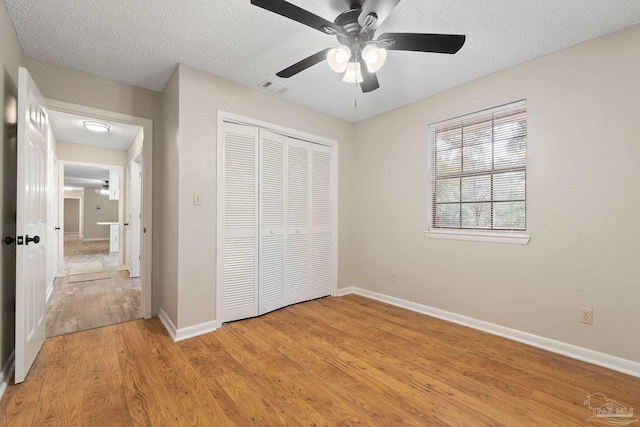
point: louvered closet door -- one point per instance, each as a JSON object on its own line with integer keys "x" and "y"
{"x": 298, "y": 193}
{"x": 240, "y": 199}
{"x": 272, "y": 222}
{"x": 321, "y": 222}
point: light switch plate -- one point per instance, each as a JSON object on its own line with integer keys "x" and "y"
{"x": 197, "y": 199}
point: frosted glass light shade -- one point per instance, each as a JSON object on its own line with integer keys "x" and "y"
{"x": 374, "y": 57}
{"x": 353, "y": 74}
{"x": 96, "y": 126}
{"x": 339, "y": 58}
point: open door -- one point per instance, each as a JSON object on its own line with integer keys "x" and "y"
{"x": 134, "y": 215}
{"x": 31, "y": 224}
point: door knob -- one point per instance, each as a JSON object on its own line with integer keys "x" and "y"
{"x": 34, "y": 239}
{"x": 56, "y": 228}
{"x": 126, "y": 224}
{"x": 18, "y": 240}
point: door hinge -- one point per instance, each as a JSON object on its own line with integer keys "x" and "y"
{"x": 145, "y": 230}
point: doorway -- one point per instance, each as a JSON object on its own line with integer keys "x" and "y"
{"x": 98, "y": 287}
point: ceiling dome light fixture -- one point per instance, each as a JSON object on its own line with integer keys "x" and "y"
{"x": 96, "y": 126}
{"x": 374, "y": 57}
{"x": 339, "y": 58}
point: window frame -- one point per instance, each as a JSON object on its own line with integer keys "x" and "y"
{"x": 518, "y": 237}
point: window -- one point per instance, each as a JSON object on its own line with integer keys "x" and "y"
{"x": 478, "y": 170}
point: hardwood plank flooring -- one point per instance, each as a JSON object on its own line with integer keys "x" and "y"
{"x": 334, "y": 361}
{"x": 78, "y": 306}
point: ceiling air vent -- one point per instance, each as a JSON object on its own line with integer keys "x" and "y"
{"x": 273, "y": 87}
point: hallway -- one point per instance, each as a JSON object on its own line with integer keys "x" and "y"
{"x": 79, "y": 306}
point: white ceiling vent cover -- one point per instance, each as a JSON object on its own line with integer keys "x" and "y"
{"x": 273, "y": 87}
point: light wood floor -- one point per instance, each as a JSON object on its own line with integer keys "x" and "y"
{"x": 74, "y": 307}
{"x": 333, "y": 361}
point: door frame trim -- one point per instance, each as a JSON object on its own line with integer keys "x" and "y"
{"x": 224, "y": 116}
{"x": 147, "y": 186}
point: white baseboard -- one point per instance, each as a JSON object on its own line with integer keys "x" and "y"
{"x": 580, "y": 353}
{"x": 168, "y": 324}
{"x": 184, "y": 333}
{"x": 7, "y": 372}
{"x": 50, "y": 289}
{"x": 96, "y": 239}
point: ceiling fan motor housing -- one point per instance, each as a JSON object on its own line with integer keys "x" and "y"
{"x": 354, "y": 35}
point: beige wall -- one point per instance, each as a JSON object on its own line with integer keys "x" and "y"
{"x": 166, "y": 226}
{"x": 583, "y": 201}
{"x": 91, "y": 154}
{"x": 71, "y": 215}
{"x": 107, "y": 212}
{"x": 201, "y": 95}
{"x": 136, "y": 146}
{"x": 11, "y": 57}
{"x": 65, "y": 84}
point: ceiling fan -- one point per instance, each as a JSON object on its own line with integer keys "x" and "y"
{"x": 359, "y": 55}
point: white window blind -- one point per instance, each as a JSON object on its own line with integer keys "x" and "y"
{"x": 478, "y": 171}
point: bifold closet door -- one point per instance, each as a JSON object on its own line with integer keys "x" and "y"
{"x": 272, "y": 222}
{"x": 240, "y": 224}
{"x": 321, "y": 221}
{"x": 276, "y": 222}
{"x": 298, "y": 191}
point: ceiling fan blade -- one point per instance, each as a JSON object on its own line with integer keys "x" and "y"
{"x": 415, "y": 42}
{"x": 298, "y": 14}
{"x": 374, "y": 12}
{"x": 304, "y": 64}
{"x": 369, "y": 80}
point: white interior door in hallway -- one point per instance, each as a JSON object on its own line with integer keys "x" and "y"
{"x": 31, "y": 224}
{"x": 276, "y": 219}
{"x": 133, "y": 215}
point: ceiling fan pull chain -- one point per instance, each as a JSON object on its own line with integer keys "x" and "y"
{"x": 355, "y": 89}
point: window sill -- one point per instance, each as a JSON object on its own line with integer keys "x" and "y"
{"x": 479, "y": 236}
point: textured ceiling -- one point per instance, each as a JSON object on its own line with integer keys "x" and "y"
{"x": 69, "y": 128}
{"x": 141, "y": 41}
{"x": 85, "y": 176}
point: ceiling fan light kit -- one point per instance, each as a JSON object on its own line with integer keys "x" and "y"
{"x": 355, "y": 30}
{"x": 353, "y": 74}
{"x": 374, "y": 57}
{"x": 338, "y": 58}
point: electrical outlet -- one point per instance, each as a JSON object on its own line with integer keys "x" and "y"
{"x": 392, "y": 277}
{"x": 586, "y": 315}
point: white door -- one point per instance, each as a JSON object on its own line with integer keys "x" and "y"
{"x": 321, "y": 222}
{"x": 239, "y": 200}
{"x": 136, "y": 215}
{"x": 53, "y": 229}
{"x": 297, "y": 234}
{"x": 31, "y": 224}
{"x": 272, "y": 221}
{"x": 127, "y": 216}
